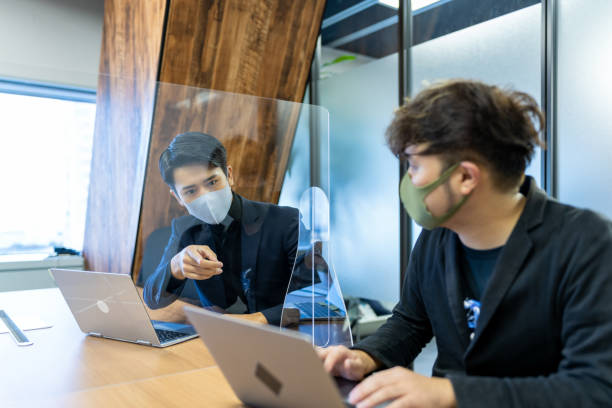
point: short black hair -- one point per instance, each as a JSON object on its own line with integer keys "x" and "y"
{"x": 192, "y": 148}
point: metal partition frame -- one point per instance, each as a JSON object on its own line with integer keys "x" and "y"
{"x": 549, "y": 95}
{"x": 405, "y": 73}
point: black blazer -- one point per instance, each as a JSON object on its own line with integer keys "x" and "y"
{"x": 269, "y": 238}
{"x": 544, "y": 336}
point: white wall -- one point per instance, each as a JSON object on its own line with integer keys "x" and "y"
{"x": 364, "y": 177}
{"x": 584, "y": 85}
{"x": 54, "y": 41}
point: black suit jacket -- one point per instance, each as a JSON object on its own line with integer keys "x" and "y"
{"x": 544, "y": 336}
{"x": 269, "y": 238}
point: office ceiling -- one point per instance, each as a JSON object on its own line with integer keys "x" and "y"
{"x": 363, "y": 27}
{"x": 370, "y": 27}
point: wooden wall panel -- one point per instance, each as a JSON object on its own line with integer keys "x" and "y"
{"x": 131, "y": 43}
{"x": 253, "y": 47}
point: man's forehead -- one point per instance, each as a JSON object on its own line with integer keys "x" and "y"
{"x": 190, "y": 173}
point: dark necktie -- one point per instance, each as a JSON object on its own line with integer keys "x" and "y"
{"x": 218, "y": 237}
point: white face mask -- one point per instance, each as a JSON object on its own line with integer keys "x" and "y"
{"x": 212, "y": 208}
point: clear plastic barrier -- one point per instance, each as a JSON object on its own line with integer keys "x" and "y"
{"x": 213, "y": 232}
{"x": 202, "y": 225}
{"x": 314, "y": 302}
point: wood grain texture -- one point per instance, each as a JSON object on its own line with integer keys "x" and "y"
{"x": 250, "y": 47}
{"x": 63, "y": 359}
{"x": 205, "y": 387}
{"x": 131, "y": 42}
{"x": 254, "y": 47}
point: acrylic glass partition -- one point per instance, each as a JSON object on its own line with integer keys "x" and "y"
{"x": 132, "y": 211}
{"x": 314, "y": 303}
{"x": 212, "y": 232}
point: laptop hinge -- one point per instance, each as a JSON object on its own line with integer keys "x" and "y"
{"x": 95, "y": 334}
{"x": 147, "y": 343}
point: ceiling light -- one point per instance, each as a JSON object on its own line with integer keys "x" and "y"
{"x": 416, "y": 4}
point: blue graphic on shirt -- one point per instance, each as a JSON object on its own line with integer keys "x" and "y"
{"x": 472, "y": 311}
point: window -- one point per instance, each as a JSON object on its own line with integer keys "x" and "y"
{"x": 47, "y": 134}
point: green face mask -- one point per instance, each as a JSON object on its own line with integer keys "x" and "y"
{"x": 413, "y": 199}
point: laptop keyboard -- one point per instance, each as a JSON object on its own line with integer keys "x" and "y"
{"x": 168, "y": 335}
{"x": 321, "y": 309}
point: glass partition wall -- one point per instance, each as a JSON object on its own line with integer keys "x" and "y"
{"x": 216, "y": 165}
{"x": 556, "y": 48}
{"x": 502, "y": 48}
{"x": 358, "y": 85}
{"x": 496, "y": 42}
{"x": 584, "y": 86}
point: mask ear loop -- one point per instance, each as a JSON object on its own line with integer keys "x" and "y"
{"x": 428, "y": 188}
{"x": 457, "y": 205}
{"x": 442, "y": 179}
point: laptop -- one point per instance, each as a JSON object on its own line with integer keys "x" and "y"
{"x": 318, "y": 311}
{"x": 313, "y": 303}
{"x": 267, "y": 367}
{"x": 108, "y": 305}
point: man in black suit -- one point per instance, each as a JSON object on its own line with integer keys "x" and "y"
{"x": 514, "y": 285}
{"x": 233, "y": 248}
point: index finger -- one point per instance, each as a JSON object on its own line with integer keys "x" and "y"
{"x": 368, "y": 386}
{"x": 206, "y": 252}
{"x": 206, "y": 264}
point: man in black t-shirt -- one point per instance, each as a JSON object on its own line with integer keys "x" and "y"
{"x": 514, "y": 285}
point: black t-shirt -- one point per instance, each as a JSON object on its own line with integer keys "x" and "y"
{"x": 477, "y": 267}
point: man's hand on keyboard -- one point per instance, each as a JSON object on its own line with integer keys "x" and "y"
{"x": 343, "y": 362}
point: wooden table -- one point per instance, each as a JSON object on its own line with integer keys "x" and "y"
{"x": 66, "y": 368}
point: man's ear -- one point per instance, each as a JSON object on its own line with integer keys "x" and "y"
{"x": 230, "y": 175}
{"x": 173, "y": 194}
{"x": 471, "y": 176}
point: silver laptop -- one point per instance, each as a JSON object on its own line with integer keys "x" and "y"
{"x": 108, "y": 305}
{"x": 266, "y": 367}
